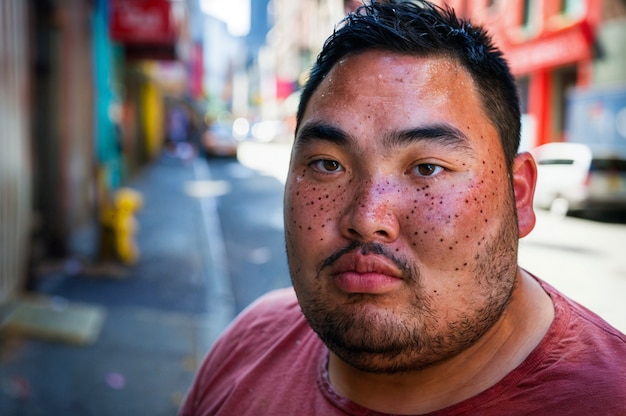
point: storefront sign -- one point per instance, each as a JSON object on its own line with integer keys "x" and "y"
{"x": 141, "y": 21}
{"x": 567, "y": 46}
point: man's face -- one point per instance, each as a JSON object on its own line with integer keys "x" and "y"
{"x": 399, "y": 215}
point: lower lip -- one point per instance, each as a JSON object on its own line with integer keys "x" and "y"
{"x": 370, "y": 283}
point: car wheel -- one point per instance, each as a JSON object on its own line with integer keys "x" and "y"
{"x": 559, "y": 207}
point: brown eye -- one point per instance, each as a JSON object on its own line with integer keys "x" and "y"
{"x": 327, "y": 165}
{"x": 428, "y": 169}
{"x": 330, "y": 165}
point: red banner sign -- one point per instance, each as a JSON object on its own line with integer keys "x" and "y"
{"x": 141, "y": 21}
{"x": 567, "y": 46}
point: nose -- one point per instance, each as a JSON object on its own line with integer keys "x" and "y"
{"x": 371, "y": 214}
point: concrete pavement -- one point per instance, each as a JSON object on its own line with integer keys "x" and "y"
{"x": 160, "y": 315}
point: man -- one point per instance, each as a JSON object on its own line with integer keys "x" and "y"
{"x": 403, "y": 208}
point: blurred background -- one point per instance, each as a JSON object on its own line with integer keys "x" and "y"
{"x": 143, "y": 150}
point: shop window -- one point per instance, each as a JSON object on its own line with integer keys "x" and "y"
{"x": 522, "y": 88}
{"x": 572, "y": 8}
{"x": 528, "y": 136}
{"x": 491, "y": 6}
{"x": 531, "y": 18}
{"x": 526, "y": 13}
{"x": 563, "y": 80}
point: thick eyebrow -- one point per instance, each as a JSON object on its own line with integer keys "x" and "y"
{"x": 442, "y": 133}
{"x": 320, "y": 131}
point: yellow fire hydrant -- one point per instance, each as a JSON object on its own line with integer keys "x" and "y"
{"x": 119, "y": 226}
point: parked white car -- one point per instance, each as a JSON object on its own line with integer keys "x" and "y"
{"x": 571, "y": 178}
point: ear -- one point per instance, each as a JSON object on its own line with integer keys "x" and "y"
{"x": 524, "y": 179}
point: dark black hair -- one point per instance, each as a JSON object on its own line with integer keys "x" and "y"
{"x": 424, "y": 29}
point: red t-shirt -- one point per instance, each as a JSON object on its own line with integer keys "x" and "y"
{"x": 270, "y": 362}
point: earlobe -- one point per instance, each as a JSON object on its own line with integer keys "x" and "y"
{"x": 524, "y": 179}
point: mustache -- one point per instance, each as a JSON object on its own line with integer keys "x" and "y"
{"x": 409, "y": 271}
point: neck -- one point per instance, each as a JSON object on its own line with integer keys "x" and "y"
{"x": 498, "y": 352}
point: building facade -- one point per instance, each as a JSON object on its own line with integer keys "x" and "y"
{"x": 552, "y": 47}
{"x": 15, "y": 163}
{"x": 82, "y": 102}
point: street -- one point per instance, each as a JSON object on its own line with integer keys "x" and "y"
{"x": 250, "y": 211}
{"x": 131, "y": 238}
{"x": 211, "y": 242}
{"x": 582, "y": 258}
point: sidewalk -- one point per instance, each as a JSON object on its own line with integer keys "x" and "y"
{"x": 160, "y": 315}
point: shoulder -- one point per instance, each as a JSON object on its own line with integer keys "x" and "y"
{"x": 280, "y": 299}
{"x": 255, "y": 330}
{"x": 577, "y": 368}
{"x": 258, "y": 329}
{"x": 268, "y": 340}
{"x": 578, "y": 319}
{"x": 270, "y": 314}
{"x": 582, "y": 346}
{"x": 277, "y": 309}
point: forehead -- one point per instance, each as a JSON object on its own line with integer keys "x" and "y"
{"x": 389, "y": 69}
{"x": 386, "y": 90}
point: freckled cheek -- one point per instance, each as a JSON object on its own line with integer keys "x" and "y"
{"x": 312, "y": 211}
{"x": 448, "y": 228}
